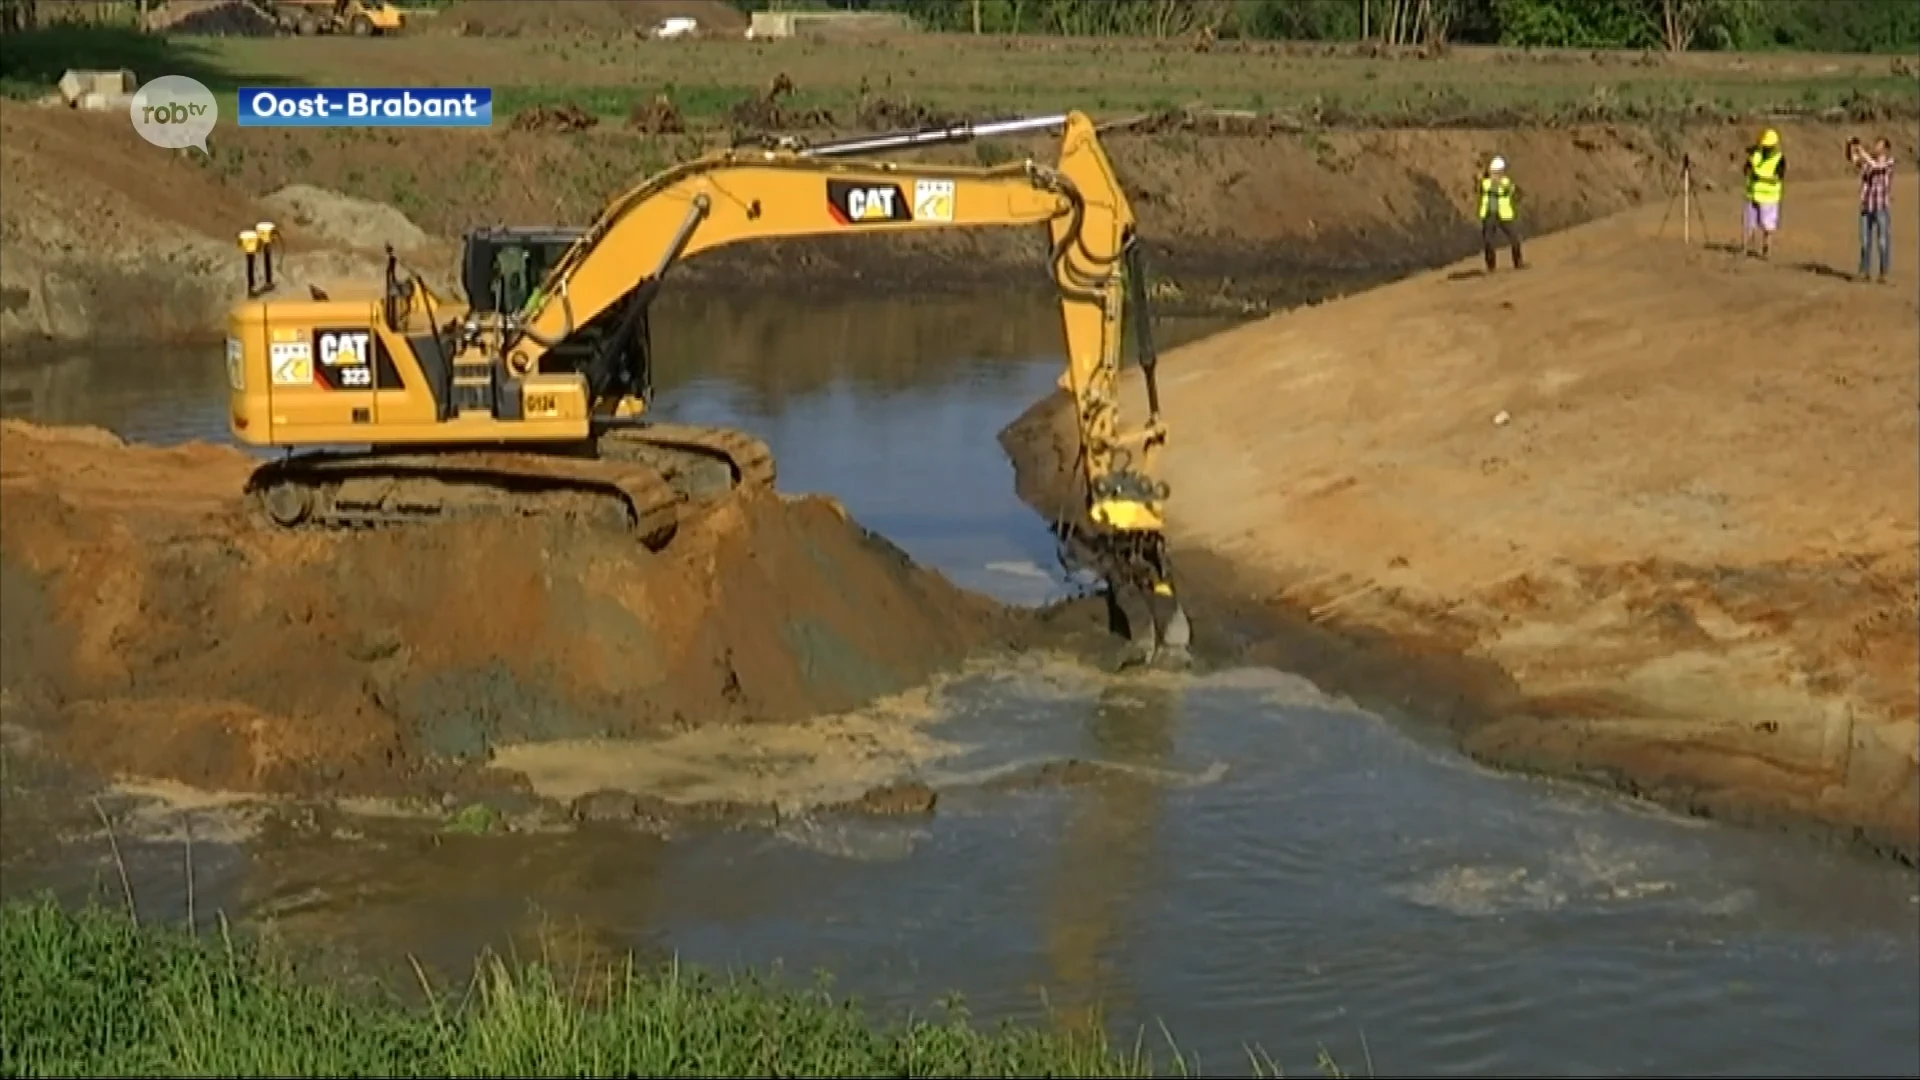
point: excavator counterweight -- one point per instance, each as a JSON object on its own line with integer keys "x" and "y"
{"x": 533, "y": 395}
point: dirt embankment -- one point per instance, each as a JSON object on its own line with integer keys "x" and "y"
{"x": 1640, "y": 513}
{"x": 151, "y": 629}
{"x": 107, "y": 239}
{"x": 106, "y": 236}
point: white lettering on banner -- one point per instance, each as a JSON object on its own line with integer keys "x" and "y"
{"x": 266, "y": 103}
{"x": 363, "y": 105}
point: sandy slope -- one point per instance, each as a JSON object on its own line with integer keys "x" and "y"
{"x": 152, "y": 628}
{"x": 1687, "y": 562}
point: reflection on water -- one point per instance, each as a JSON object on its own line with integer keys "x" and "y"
{"x": 1240, "y": 858}
{"x": 1108, "y": 853}
{"x": 162, "y": 396}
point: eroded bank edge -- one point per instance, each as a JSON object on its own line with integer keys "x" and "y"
{"x": 1426, "y": 685}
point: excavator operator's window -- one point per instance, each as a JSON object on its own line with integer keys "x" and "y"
{"x": 503, "y": 269}
{"x": 510, "y": 278}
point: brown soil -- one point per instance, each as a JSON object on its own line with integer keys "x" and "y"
{"x": 107, "y": 236}
{"x": 212, "y": 18}
{"x": 108, "y": 239}
{"x": 1280, "y": 214}
{"x": 556, "y": 119}
{"x": 154, "y": 630}
{"x": 1684, "y": 564}
{"x": 612, "y": 805}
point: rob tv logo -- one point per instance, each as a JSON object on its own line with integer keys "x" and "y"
{"x": 174, "y": 111}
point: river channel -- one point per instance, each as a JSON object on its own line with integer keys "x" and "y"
{"x": 1263, "y": 865}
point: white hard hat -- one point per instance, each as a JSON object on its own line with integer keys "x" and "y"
{"x": 1498, "y": 164}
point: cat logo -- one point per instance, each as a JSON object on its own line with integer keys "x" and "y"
{"x": 867, "y": 204}
{"x": 345, "y": 358}
{"x": 342, "y": 348}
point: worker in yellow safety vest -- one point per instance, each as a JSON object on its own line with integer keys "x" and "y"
{"x": 1496, "y": 211}
{"x": 1766, "y": 174}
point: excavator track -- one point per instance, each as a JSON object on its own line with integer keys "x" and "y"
{"x": 638, "y": 479}
{"x": 701, "y": 461}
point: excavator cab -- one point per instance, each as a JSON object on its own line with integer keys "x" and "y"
{"x": 501, "y": 267}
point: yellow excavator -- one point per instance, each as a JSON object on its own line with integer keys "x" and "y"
{"x": 361, "y": 18}
{"x": 532, "y": 397}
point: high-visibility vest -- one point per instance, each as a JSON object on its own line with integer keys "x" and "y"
{"x": 1496, "y": 193}
{"x": 1763, "y": 183}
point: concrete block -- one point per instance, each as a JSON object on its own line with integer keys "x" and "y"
{"x": 78, "y": 83}
{"x": 98, "y": 102}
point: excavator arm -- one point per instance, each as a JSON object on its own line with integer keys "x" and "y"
{"x": 794, "y": 191}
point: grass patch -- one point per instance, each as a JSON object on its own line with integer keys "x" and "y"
{"x": 961, "y": 76}
{"x": 33, "y": 60}
{"x": 699, "y": 102}
{"x": 971, "y": 76}
{"x": 93, "y": 993}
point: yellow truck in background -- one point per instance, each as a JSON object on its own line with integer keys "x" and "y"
{"x": 360, "y": 18}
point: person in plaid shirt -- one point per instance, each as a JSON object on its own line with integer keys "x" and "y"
{"x": 1876, "y": 203}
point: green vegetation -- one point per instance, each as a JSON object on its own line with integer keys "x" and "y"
{"x": 1313, "y": 85}
{"x": 1326, "y": 81}
{"x": 695, "y": 102}
{"x": 32, "y": 60}
{"x": 1677, "y": 25}
{"x": 92, "y": 993}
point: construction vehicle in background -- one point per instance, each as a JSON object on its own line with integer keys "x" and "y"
{"x": 360, "y": 18}
{"x": 533, "y": 397}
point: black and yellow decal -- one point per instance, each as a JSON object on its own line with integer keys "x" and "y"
{"x": 854, "y": 203}
{"x": 352, "y": 358}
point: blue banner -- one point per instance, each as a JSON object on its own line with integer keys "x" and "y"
{"x": 366, "y": 106}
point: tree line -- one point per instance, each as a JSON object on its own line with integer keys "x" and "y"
{"x": 1669, "y": 25}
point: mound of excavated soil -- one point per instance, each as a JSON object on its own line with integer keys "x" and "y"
{"x": 104, "y": 237}
{"x": 211, "y": 18}
{"x": 342, "y": 219}
{"x": 1650, "y": 509}
{"x": 149, "y": 629}
{"x": 539, "y": 18}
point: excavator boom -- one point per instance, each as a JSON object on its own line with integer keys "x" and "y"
{"x": 551, "y": 353}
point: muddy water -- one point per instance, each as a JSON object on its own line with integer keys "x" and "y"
{"x": 1236, "y": 855}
